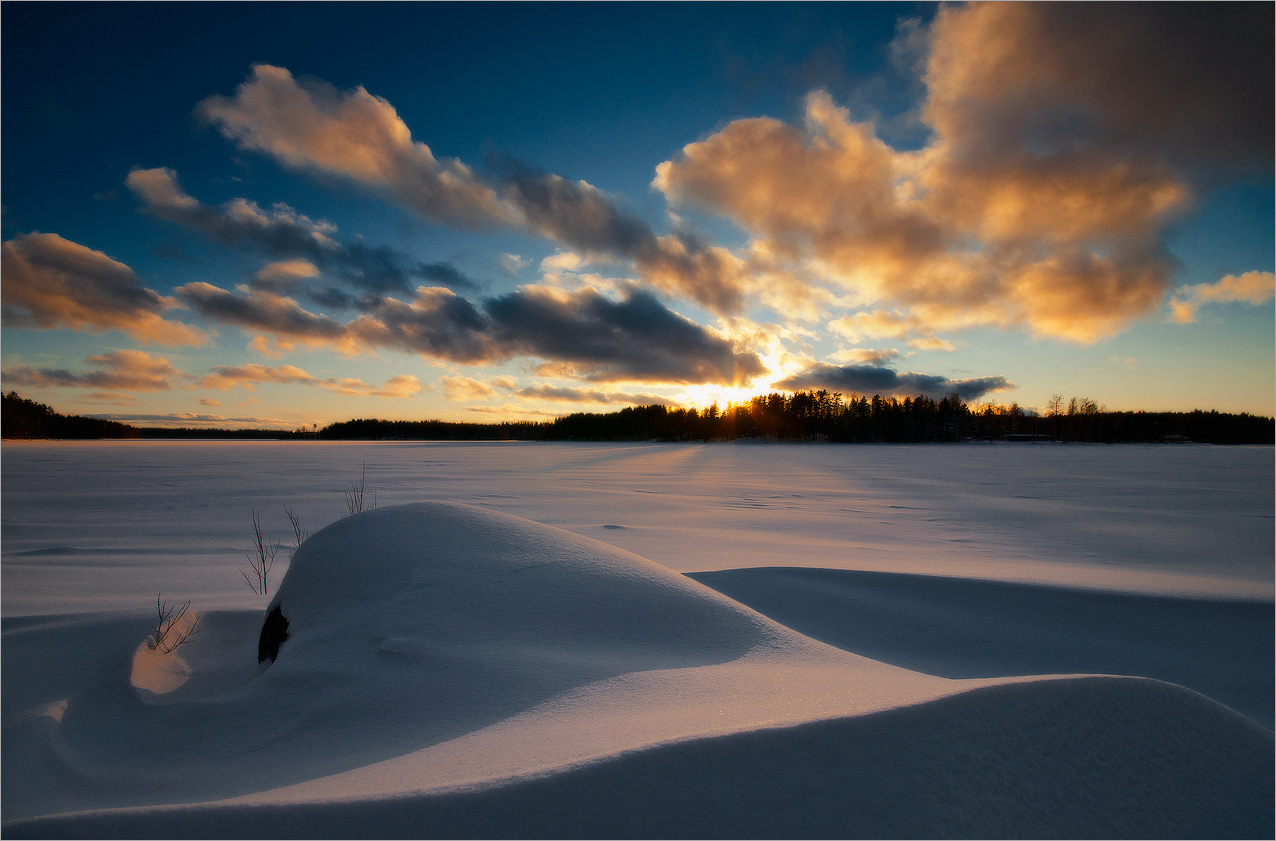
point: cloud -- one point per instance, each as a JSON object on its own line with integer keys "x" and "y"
{"x": 249, "y": 376}
{"x": 209, "y": 401}
{"x": 876, "y": 324}
{"x": 353, "y": 134}
{"x": 1064, "y": 141}
{"x": 260, "y": 310}
{"x": 285, "y": 275}
{"x": 932, "y": 343}
{"x": 635, "y": 338}
{"x": 124, "y": 370}
{"x": 1248, "y": 288}
{"x": 311, "y": 125}
{"x": 111, "y": 398}
{"x": 579, "y": 395}
{"x": 866, "y": 356}
{"x": 52, "y": 283}
{"x": 304, "y": 247}
{"x": 435, "y": 323}
{"x": 870, "y": 379}
{"x": 463, "y": 388}
{"x": 192, "y": 419}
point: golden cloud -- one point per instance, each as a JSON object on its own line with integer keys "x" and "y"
{"x": 52, "y": 283}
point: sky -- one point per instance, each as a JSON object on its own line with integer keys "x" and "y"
{"x": 279, "y": 215}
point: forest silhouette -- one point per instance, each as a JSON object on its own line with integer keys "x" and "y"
{"x": 802, "y": 416}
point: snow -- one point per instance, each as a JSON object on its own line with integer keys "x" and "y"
{"x": 457, "y": 669}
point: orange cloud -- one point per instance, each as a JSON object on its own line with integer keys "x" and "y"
{"x": 353, "y": 134}
{"x": 124, "y": 370}
{"x": 1248, "y": 288}
{"x": 248, "y": 376}
{"x": 1064, "y": 141}
{"x": 52, "y": 283}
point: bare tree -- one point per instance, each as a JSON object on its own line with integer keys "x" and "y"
{"x": 299, "y": 536}
{"x": 261, "y": 559}
{"x": 354, "y": 493}
{"x": 164, "y": 639}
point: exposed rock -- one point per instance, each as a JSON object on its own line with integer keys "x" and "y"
{"x": 273, "y": 633}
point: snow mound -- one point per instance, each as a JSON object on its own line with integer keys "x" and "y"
{"x": 408, "y": 626}
{"x": 451, "y": 671}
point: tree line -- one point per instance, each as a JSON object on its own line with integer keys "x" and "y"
{"x": 801, "y": 416}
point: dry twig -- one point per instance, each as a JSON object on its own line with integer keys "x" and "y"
{"x": 261, "y": 559}
{"x": 164, "y": 639}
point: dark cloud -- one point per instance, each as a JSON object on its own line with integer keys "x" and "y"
{"x": 580, "y": 216}
{"x": 633, "y": 339}
{"x": 434, "y": 323}
{"x": 636, "y": 338}
{"x": 870, "y": 379}
{"x": 262, "y": 311}
{"x": 284, "y": 234}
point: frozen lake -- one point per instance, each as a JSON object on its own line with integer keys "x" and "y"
{"x": 104, "y": 525}
{"x": 1010, "y": 630}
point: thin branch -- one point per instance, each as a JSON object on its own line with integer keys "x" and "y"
{"x": 164, "y": 638}
{"x": 261, "y": 559}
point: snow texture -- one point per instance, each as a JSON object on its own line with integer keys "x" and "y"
{"x": 457, "y": 671}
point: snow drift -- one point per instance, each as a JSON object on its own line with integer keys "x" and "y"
{"x": 451, "y": 671}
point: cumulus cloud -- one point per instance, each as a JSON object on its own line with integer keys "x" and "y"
{"x": 1064, "y": 140}
{"x": 52, "y": 283}
{"x": 311, "y": 125}
{"x": 123, "y": 370}
{"x": 249, "y": 376}
{"x": 209, "y": 401}
{"x": 871, "y": 379}
{"x": 1248, "y": 288}
{"x": 305, "y": 247}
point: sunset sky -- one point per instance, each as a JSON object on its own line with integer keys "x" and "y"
{"x": 286, "y": 214}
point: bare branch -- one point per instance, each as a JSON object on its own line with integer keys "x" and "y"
{"x": 260, "y": 559}
{"x": 164, "y": 639}
{"x": 299, "y": 535}
{"x": 354, "y": 493}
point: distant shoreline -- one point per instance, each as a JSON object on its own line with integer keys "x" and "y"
{"x": 817, "y": 417}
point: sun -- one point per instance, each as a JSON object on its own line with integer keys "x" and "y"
{"x": 704, "y": 396}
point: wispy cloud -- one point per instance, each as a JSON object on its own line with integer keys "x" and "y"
{"x": 250, "y": 375}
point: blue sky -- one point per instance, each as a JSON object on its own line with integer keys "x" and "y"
{"x": 284, "y": 214}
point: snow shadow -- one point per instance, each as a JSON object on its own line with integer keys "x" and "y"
{"x": 974, "y": 628}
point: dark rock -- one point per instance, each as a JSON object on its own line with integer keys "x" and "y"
{"x": 273, "y": 633}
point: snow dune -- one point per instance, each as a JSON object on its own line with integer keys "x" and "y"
{"x": 454, "y": 671}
